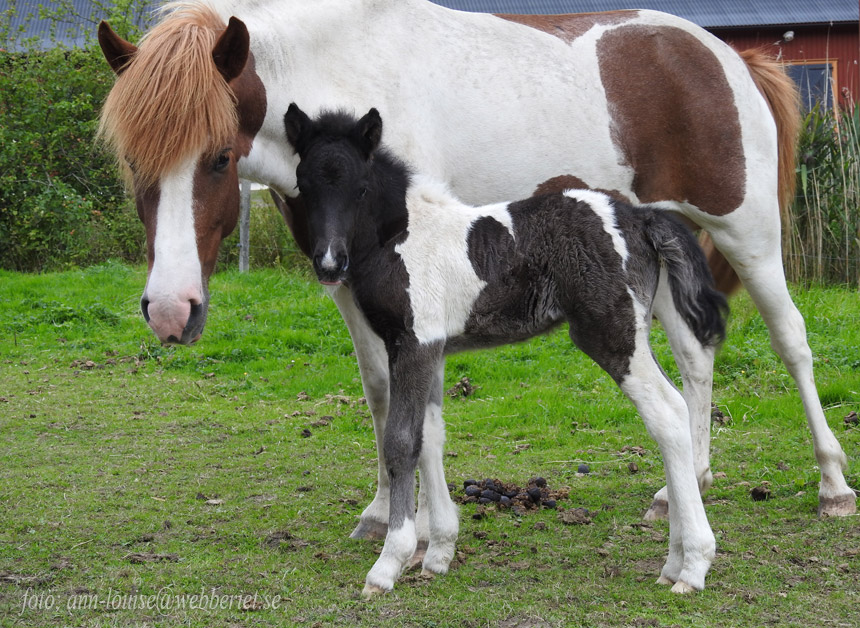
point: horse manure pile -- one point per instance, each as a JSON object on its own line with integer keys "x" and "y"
{"x": 507, "y": 495}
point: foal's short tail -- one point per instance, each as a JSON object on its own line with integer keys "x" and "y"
{"x": 698, "y": 302}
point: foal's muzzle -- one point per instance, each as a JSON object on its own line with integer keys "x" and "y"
{"x": 331, "y": 264}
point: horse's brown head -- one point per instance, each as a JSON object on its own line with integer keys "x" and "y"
{"x": 184, "y": 109}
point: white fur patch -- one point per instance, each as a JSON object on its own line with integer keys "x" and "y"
{"x": 600, "y": 205}
{"x": 442, "y": 283}
{"x": 175, "y": 279}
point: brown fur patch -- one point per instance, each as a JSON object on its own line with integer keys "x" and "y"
{"x": 674, "y": 117}
{"x": 570, "y": 182}
{"x": 570, "y": 26}
{"x": 171, "y": 101}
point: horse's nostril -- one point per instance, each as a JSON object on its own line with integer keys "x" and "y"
{"x": 144, "y": 307}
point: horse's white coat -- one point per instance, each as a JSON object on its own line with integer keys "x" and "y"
{"x": 493, "y": 108}
{"x": 174, "y": 282}
{"x": 436, "y": 315}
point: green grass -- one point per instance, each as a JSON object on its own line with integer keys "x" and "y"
{"x": 131, "y": 469}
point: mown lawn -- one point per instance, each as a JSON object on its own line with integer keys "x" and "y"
{"x": 140, "y": 483}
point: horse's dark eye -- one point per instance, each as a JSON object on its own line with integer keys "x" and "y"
{"x": 221, "y": 162}
{"x": 362, "y": 192}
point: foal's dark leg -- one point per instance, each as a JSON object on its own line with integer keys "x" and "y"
{"x": 412, "y": 370}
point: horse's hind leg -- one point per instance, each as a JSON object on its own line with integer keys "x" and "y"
{"x": 696, "y": 364}
{"x": 764, "y": 279}
{"x": 663, "y": 409}
{"x": 691, "y": 542}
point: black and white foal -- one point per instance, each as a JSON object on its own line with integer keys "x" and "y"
{"x": 434, "y": 276}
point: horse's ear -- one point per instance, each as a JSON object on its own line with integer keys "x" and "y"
{"x": 297, "y": 125}
{"x": 231, "y": 50}
{"x": 117, "y": 51}
{"x": 370, "y": 131}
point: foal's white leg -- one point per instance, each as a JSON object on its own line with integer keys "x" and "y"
{"x": 442, "y": 517}
{"x": 691, "y": 542}
{"x": 696, "y": 364}
{"x": 764, "y": 279}
{"x": 373, "y": 366}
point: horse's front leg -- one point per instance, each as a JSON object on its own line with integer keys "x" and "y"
{"x": 437, "y": 519}
{"x": 696, "y": 364}
{"x": 373, "y": 366}
{"x": 413, "y": 370}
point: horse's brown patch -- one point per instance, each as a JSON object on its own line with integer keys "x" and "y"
{"x": 251, "y": 105}
{"x": 218, "y": 193}
{"x": 674, "y": 117}
{"x": 295, "y": 215}
{"x": 146, "y": 200}
{"x": 570, "y": 26}
{"x": 570, "y": 182}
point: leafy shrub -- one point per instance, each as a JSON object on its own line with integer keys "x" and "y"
{"x": 61, "y": 200}
{"x": 823, "y": 235}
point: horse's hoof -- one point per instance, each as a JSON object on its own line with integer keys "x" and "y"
{"x": 417, "y": 557}
{"x": 665, "y": 581}
{"x": 371, "y": 591}
{"x": 659, "y": 510}
{"x": 839, "y": 506}
{"x": 426, "y": 573}
{"x": 682, "y": 588}
{"x": 370, "y": 530}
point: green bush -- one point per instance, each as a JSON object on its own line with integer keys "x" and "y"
{"x": 823, "y": 231}
{"x": 62, "y": 202}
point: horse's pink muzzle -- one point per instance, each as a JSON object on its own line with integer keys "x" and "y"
{"x": 176, "y": 320}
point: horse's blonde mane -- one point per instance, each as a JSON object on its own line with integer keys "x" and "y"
{"x": 171, "y": 102}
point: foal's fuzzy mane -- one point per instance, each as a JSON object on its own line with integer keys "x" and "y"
{"x": 171, "y": 102}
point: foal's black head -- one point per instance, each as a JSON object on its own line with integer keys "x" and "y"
{"x": 354, "y": 193}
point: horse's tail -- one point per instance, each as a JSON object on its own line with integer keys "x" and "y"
{"x": 698, "y": 302}
{"x": 783, "y": 98}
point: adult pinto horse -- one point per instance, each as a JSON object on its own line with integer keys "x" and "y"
{"x": 639, "y": 104}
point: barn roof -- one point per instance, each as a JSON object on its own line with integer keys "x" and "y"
{"x": 78, "y": 29}
{"x": 709, "y": 14}
{"x": 75, "y": 27}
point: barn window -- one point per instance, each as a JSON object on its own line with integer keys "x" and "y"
{"x": 815, "y": 80}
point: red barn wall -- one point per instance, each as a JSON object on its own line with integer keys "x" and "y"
{"x": 837, "y": 44}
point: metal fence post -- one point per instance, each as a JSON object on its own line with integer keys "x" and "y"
{"x": 244, "y": 225}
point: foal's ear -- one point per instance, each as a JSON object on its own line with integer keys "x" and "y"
{"x": 117, "y": 51}
{"x": 297, "y": 125}
{"x": 369, "y": 130}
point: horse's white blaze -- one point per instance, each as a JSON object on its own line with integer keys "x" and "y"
{"x": 175, "y": 281}
{"x": 600, "y": 205}
{"x": 437, "y": 316}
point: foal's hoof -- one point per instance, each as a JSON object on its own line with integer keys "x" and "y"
{"x": 659, "y": 510}
{"x": 839, "y": 506}
{"x": 418, "y": 556}
{"x": 682, "y": 588}
{"x": 677, "y": 587}
{"x": 371, "y": 591}
{"x": 370, "y": 530}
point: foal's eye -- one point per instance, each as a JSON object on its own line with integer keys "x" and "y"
{"x": 362, "y": 192}
{"x": 221, "y": 162}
